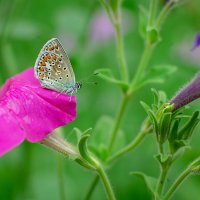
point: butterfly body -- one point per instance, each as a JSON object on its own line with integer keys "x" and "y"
{"x": 53, "y": 69}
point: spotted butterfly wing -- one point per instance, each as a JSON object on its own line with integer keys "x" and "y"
{"x": 53, "y": 68}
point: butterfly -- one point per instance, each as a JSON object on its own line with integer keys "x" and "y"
{"x": 53, "y": 69}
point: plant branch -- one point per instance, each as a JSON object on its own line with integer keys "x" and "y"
{"x": 120, "y": 51}
{"x": 165, "y": 11}
{"x": 152, "y": 12}
{"x": 188, "y": 171}
{"x": 118, "y": 121}
{"x": 161, "y": 181}
{"x": 92, "y": 187}
{"x": 129, "y": 147}
{"x": 105, "y": 181}
{"x": 61, "y": 177}
{"x": 140, "y": 70}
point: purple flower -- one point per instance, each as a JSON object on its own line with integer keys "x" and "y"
{"x": 28, "y": 111}
{"x": 102, "y": 29}
{"x": 188, "y": 94}
{"x": 196, "y": 42}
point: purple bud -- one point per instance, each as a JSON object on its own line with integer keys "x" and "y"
{"x": 196, "y": 42}
{"x": 188, "y": 94}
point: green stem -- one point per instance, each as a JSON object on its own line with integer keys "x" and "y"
{"x": 118, "y": 122}
{"x": 177, "y": 183}
{"x": 161, "y": 181}
{"x": 165, "y": 11}
{"x": 129, "y": 147}
{"x": 120, "y": 51}
{"x": 181, "y": 178}
{"x": 143, "y": 63}
{"x": 92, "y": 187}
{"x": 152, "y": 12}
{"x": 61, "y": 177}
{"x": 106, "y": 182}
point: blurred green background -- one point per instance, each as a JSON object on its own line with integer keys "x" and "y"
{"x": 30, "y": 170}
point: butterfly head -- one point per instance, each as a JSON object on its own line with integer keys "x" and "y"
{"x": 78, "y": 85}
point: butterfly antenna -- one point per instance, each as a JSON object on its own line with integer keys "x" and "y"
{"x": 88, "y": 78}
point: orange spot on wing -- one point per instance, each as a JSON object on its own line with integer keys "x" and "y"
{"x": 54, "y": 57}
{"x": 43, "y": 63}
{"x": 41, "y": 69}
{"x": 41, "y": 76}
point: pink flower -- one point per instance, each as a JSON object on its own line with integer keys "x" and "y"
{"x": 28, "y": 111}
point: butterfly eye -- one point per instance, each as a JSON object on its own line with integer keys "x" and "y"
{"x": 60, "y": 78}
{"x": 49, "y": 73}
{"x": 64, "y": 68}
{"x": 67, "y": 76}
{"x": 48, "y": 77}
{"x": 59, "y": 66}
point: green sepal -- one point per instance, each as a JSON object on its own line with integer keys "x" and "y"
{"x": 187, "y": 130}
{"x": 151, "y": 115}
{"x": 164, "y": 127}
{"x": 83, "y": 149}
{"x": 155, "y": 95}
{"x": 149, "y": 181}
{"x": 174, "y": 130}
{"x": 84, "y": 164}
{"x": 107, "y": 75}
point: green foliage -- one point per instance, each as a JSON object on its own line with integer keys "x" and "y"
{"x": 107, "y": 75}
{"x": 26, "y": 25}
{"x": 149, "y": 181}
{"x": 100, "y": 139}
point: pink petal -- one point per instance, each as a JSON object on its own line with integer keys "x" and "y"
{"x": 34, "y": 111}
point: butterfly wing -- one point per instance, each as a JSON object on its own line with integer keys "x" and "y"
{"x": 53, "y": 67}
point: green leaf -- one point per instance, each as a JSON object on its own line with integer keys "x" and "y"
{"x": 157, "y": 74}
{"x": 100, "y": 139}
{"x": 181, "y": 148}
{"x": 150, "y": 182}
{"x": 75, "y": 135}
{"x": 107, "y": 75}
